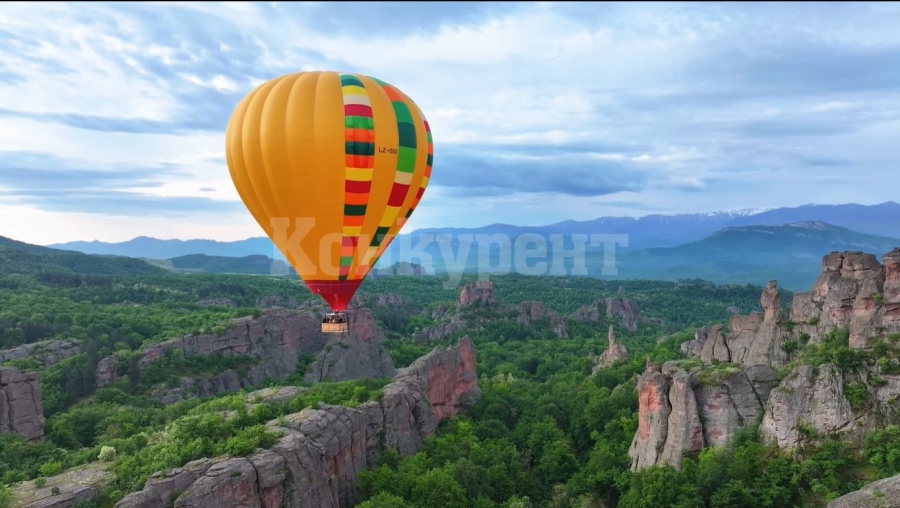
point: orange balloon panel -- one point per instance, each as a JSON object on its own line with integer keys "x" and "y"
{"x": 331, "y": 166}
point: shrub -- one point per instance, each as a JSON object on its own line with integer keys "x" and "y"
{"x": 107, "y": 454}
{"x": 51, "y": 469}
{"x": 5, "y": 497}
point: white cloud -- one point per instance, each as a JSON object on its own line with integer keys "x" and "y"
{"x": 702, "y": 105}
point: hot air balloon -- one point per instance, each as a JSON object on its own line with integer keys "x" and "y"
{"x": 331, "y": 165}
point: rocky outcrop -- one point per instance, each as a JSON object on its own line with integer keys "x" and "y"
{"x": 614, "y": 352}
{"x": 884, "y": 493}
{"x": 48, "y": 352}
{"x": 529, "y": 312}
{"x": 623, "y": 308}
{"x": 683, "y": 409}
{"x": 276, "y": 340}
{"x": 855, "y": 291}
{"x": 401, "y": 268}
{"x": 65, "y": 490}
{"x": 807, "y": 402}
{"x": 437, "y": 332}
{"x": 389, "y": 300}
{"x": 756, "y": 339}
{"x": 107, "y": 372}
{"x": 626, "y": 310}
{"x": 276, "y": 301}
{"x": 890, "y": 312}
{"x": 771, "y": 302}
{"x": 453, "y": 320}
{"x": 353, "y": 355}
{"x": 188, "y": 387}
{"x": 322, "y": 450}
{"x": 478, "y": 291}
{"x": 729, "y": 386}
{"x": 20, "y": 404}
{"x": 653, "y": 419}
{"x": 692, "y": 348}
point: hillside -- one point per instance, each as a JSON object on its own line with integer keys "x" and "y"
{"x": 256, "y": 264}
{"x": 522, "y": 391}
{"x": 790, "y": 253}
{"x": 22, "y": 258}
{"x": 650, "y": 231}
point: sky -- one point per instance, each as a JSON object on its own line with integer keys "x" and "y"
{"x": 112, "y": 115}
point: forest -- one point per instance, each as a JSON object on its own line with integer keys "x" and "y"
{"x": 546, "y": 432}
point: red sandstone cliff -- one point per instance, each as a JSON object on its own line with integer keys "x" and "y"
{"x": 322, "y": 450}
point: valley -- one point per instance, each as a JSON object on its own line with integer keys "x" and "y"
{"x": 137, "y": 390}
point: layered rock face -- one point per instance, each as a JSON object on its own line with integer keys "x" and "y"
{"x": 20, "y": 404}
{"x": 686, "y": 406}
{"x": 276, "y": 339}
{"x": 316, "y": 461}
{"x": 683, "y": 410}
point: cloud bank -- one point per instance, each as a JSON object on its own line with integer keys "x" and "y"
{"x": 113, "y": 114}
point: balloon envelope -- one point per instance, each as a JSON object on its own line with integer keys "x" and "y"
{"x": 331, "y": 165}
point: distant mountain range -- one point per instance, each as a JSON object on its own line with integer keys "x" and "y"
{"x": 790, "y": 253}
{"x": 752, "y": 246}
{"x": 26, "y": 259}
{"x": 643, "y": 232}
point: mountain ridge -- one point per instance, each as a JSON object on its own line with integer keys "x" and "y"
{"x": 654, "y": 230}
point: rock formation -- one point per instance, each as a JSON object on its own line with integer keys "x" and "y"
{"x": 529, "y": 312}
{"x": 277, "y": 340}
{"x": 614, "y": 352}
{"x": 353, "y": 355}
{"x": 478, "y": 291}
{"x": 48, "y": 352}
{"x": 733, "y": 379}
{"x": 854, "y": 290}
{"x": 401, "y": 268}
{"x": 806, "y": 401}
{"x": 884, "y": 493}
{"x": 388, "y": 300}
{"x": 322, "y": 450}
{"x": 20, "y": 404}
{"x": 623, "y": 308}
{"x": 66, "y": 490}
{"x": 683, "y": 409}
{"x": 454, "y": 320}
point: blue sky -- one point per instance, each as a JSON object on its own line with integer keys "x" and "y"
{"x": 112, "y": 115}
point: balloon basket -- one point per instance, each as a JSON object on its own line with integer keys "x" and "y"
{"x": 335, "y": 323}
